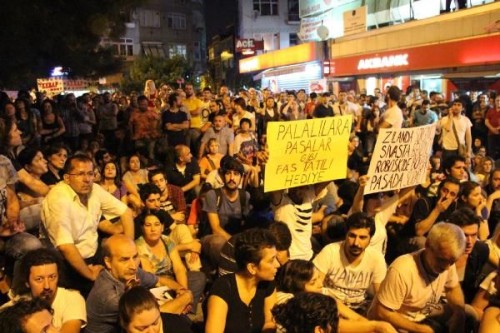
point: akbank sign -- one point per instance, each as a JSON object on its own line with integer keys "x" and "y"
{"x": 396, "y": 60}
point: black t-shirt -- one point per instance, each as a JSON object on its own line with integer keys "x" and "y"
{"x": 240, "y": 317}
{"x": 423, "y": 207}
{"x": 322, "y": 111}
{"x": 177, "y": 178}
{"x": 174, "y": 137}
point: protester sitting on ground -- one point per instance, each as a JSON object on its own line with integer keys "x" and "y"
{"x": 10, "y": 146}
{"x": 56, "y": 155}
{"x": 225, "y": 210}
{"x": 188, "y": 247}
{"x": 410, "y": 296}
{"x": 470, "y": 265}
{"x": 39, "y": 277}
{"x": 122, "y": 270}
{"x": 135, "y": 175}
{"x": 227, "y": 261}
{"x": 308, "y": 313}
{"x": 298, "y": 276}
{"x": 159, "y": 254}
{"x": 471, "y": 196}
{"x": 32, "y": 160}
{"x": 428, "y": 211}
{"x": 30, "y": 316}
{"x": 138, "y": 311}
{"x": 349, "y": 268}
{"x": 211, "y": 160}
{"x": 242, "y": 302}
{"x": 71, "y": 215}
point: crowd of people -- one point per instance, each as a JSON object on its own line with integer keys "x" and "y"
{"x": 146, "y": 212}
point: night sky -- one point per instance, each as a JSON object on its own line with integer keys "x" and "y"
{"x": 219, "y": 15}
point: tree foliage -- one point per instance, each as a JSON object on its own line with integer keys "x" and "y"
{"x": 160, "y": 70}
{"x": 36, "y": 36}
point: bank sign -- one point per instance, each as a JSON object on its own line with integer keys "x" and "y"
{"x": 248, "y": 46}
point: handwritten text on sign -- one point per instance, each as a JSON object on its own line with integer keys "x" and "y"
{"x": 400, "y": 158}
{"x": 306, "y": 152}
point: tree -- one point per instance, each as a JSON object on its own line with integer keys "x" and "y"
{"x": 160, "y": 70}
{"x": 36, "y": 36}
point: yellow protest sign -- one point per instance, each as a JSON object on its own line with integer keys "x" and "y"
{"x": 304, "y": 152}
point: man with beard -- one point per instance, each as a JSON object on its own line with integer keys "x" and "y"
{"x": 71, "y": 215}
{"x": 409, "y": 298}
{"x": 225, "y": 209}
{"x": 193, "y": 106}
{"x": 350, "y": 267}
{"x": 219, "y": 131}
{"x": 122, "y": 270}
{"x": 39, "y": 277}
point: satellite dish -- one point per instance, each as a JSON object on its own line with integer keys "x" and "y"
{"x": 323, "y": 32}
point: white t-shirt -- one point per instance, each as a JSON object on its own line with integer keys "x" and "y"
{"x": 379, "y": 238}
{"x": 408, "y": 290}
{"x": 393, "y": 116}
{"x": 68, "y": 305}
{"x": 350, "y": 283}
{"x": 462, "y": 124}
{"x": 298, "y": 219}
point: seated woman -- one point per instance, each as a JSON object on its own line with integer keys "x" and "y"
{"x": 56, "y": 155}
{"x": 301, "y": 276}
{"x": 32, "y": 160}
{"x": 135, "y": 175}
{"x": 159, "y": 255}
{"x": 211, "y": 160}
{"x": 307, "y": 313}
{"x": 471, "y": 196}
{"x": 242, "y": 301}
{"x": 139, "y": 311}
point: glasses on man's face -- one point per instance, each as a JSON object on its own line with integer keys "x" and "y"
{"x": 90, "y": 174}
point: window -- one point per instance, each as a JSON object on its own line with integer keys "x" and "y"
{"x": 293, "y": 39}
{"x": 122, "y": 47}
{"x": 177, "y": 50}
{"x": 266, "y": 7}
{"x": 176, "y": 21}
{"x": 196, "y": 51}
{"x": 149, "y": 18}
{"x": 293, "y": 11}
{"x": 153, "y": 50}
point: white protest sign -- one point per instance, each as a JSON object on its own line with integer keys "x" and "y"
{"x": 400, "y": 158}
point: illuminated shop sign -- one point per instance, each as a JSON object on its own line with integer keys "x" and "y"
{"x": 384, "y": 62}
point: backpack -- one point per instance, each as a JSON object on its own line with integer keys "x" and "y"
{"x": 204, "y": 227}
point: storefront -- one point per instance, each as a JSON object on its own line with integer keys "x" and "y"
{"x": 292, "y": 68}
{"x": 446, "y": 67}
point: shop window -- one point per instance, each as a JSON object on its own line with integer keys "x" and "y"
{"x": 176, "y": 21}
{"x": 149, "y": 18}
{"x": 177, "y": 50}
{"x": 266, "y": 7}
